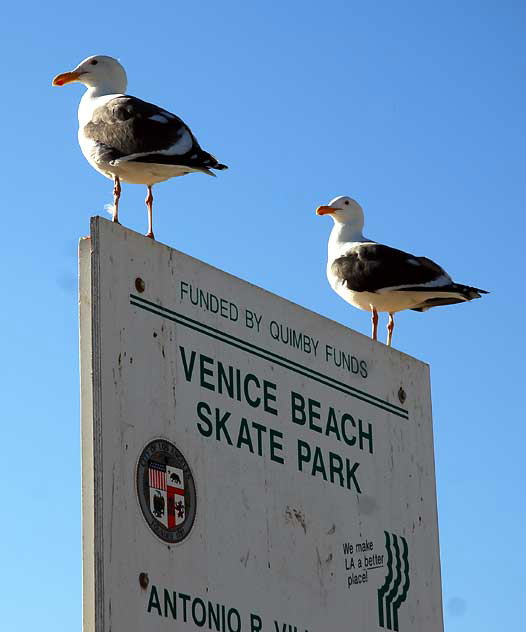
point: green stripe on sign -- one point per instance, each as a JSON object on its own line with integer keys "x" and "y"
{"x": 398, "y": 580}
{"x": 265, "y": 354}
{"x": 405, "y": 588}
{"x": 383, "y": 589}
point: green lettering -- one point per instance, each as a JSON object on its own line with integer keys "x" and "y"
{"x": 336, "y": 467}
{"x": 187, "y": 368}
{"x": 235, "y": 625}
{"x": 318, "y": 465}
{"x": 222, "y": 379}
{"x": 332, "y": 425}
{"x": 186, "y": 599}
{"x": 214, "y": 615}
{"x": 349, "y": 440}
{"x": 251, "y": 402}
{"x": 204, "y": 371}
{"x": 351, "y": 476}
{"x": 199, "y": 622}
{"x": 298, "y": 408}
{"x": 297, "y": 338}
{"x": 243, "y": 437}
{"x": 314, "y": 414}
{"x": 269, "y": 396}
{"x": 221, "y": 426}
{"x": 153, "y": 601}
{"x": 168, "y": 603}
{"x": 260, "y": 430}
{"x": 202, "y": 409}
{"x": 304, "y": 453}
{"x": 274, "y": 445}
{"x": 255, "y": 623}
{"x": 367, "y": 435}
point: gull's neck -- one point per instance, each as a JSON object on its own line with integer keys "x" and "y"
{"x": 95, "y": 97}
{"x": 343, "y": 237}
{"x": 110, "y": 85}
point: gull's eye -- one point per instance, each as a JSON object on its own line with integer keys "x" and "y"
{"x": 94, "y": 62}
{"x": 346, "y": 202}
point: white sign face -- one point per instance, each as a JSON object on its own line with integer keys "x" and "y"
{"x": 248, "y": 465}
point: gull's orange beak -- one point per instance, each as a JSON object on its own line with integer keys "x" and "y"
{"x": 66, "y": 77}
{"x": 325, "y": 210}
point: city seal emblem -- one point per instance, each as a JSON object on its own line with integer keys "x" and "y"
{"x": 166, "y": 491}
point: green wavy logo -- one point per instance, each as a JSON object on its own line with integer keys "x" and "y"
{"x": 393, "y": 592}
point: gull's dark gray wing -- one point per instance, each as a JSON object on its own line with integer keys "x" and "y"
{"x": 129, "y": 129}
{"x": 370, "y": 267}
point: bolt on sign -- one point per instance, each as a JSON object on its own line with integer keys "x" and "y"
{"x": 248, "y": 465}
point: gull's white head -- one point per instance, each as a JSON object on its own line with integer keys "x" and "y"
{"x": 101, "y": 72}
{"x": 344, "y": 210}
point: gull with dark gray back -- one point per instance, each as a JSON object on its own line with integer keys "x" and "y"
{"x": 378, "y": 278}
{"x": 128, "y": 139}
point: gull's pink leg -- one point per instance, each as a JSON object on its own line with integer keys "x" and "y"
{"x": 390, "y": 327}
{"x": 374, "y": 320}
{"x": 149, "y": 204}
{"x": 116, "y": 196}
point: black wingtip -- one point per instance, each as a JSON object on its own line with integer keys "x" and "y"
{"x": 220, "y": 167}
{"x": 473, "y": 292}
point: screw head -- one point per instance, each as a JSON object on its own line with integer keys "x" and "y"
{"x": 402, "y": 395}
{"x": 144, "y": 580}
{"x": 140, "y": 285}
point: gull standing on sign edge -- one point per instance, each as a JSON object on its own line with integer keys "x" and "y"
{"x": 377, "y": 278}
{"x": 131, "y": 140}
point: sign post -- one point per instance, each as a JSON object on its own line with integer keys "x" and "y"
{"x": 248, "y": 465}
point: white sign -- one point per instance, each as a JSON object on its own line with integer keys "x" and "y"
{"x": 248, "y": 465}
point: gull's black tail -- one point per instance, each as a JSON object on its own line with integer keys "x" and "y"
{"x": 464, "y": 293}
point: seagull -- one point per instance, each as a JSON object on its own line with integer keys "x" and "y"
{"x": 378, "y": 278}
{"x": 131, "y": 140}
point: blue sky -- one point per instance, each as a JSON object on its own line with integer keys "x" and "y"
{"x": 416, "y": 109}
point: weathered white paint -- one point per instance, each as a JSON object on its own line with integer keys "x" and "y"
{"x": 267, "y": 539}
